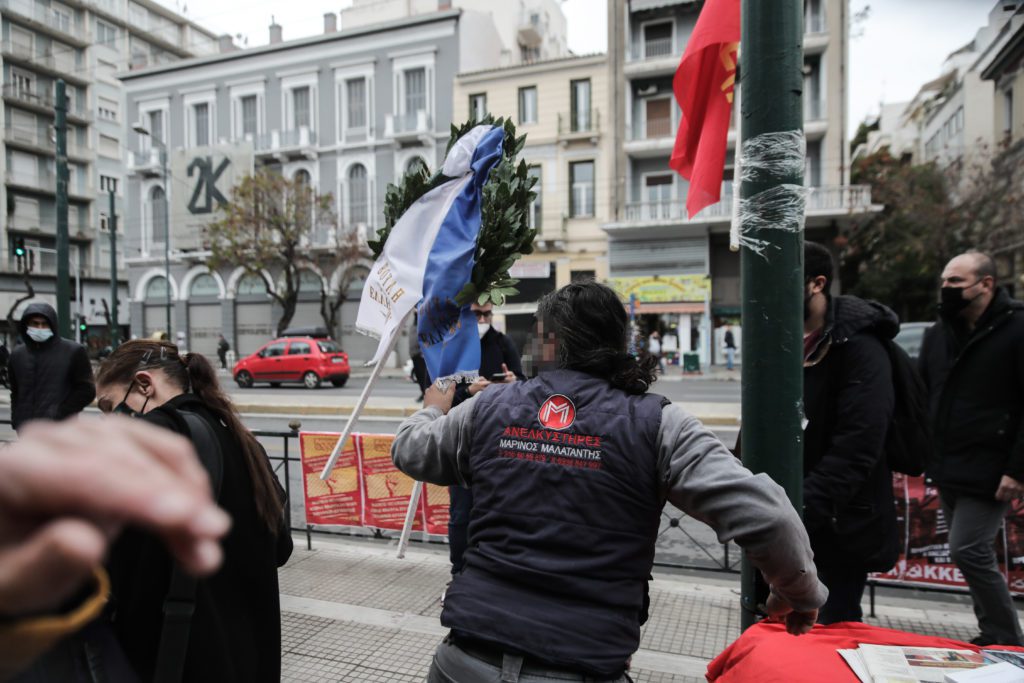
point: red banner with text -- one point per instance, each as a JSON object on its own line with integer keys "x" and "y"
{"x": 924, "y": 544}
{"x": 386, "y": 491}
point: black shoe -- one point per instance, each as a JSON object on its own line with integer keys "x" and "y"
{"x": 981, "y": 640}
{"x": 420, "y": 399}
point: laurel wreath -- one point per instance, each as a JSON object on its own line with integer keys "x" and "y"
{"x": 505, "y": 233}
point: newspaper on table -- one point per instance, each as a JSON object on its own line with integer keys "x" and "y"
{"x": 1000, "y": 672}
{"x": 895, "y": 664}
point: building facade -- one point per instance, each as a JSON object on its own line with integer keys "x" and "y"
{"x": 86, "y": 44}
{"x": 684, "y": 278}
{"x": 557, "y": 104}
{"x": 348, "y": 111}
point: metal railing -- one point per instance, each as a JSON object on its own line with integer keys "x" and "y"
{"x": 42, "y": 99}
{"x": 655, "y": 127}
{"x": 829, "y": 198}
{"x": 58, "y": 61}
{"x": 651, "y": 48}
{"x": 42, "y": 140}
{"x": 44, "y": 15}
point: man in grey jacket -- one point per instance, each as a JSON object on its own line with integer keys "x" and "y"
{"x": 569, "y": 472}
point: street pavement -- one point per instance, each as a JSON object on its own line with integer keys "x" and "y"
{"x": 353, "y": 612}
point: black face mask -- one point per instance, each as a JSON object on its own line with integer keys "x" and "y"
{"x": 123, "y": 408}
{"x": 953, "y": 301}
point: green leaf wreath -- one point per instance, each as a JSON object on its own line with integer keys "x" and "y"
{"x": 505, "y": 233}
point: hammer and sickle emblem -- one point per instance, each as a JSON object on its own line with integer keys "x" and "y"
{"x": 208, "y": 177}
{"x": 727, "y": 54}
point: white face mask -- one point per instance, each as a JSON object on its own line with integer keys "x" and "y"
{"x": 38, "y": 334}
{"x": 482, "y": 328}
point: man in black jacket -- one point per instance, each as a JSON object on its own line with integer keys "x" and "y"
{"x": 972, "y": 363}
{"x": 849, "y": 400}
{"x": 51, "y": 378}
{"x": 498, "y": 356}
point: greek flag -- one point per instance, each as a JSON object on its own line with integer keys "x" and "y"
{"x": 427, "y": 260}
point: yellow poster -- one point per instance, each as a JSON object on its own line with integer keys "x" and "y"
{"x": 663, "y": 288}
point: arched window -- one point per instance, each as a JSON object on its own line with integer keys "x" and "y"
{"x": 358, "y": 195}
{"x": 156, "y": 290}
{"x": 204, "y": 285}
{"x": 304, "y": 183}
{"x": 251, "y": 284}
{"x": 309, "y": 282}
{"x": 158, "y": 210}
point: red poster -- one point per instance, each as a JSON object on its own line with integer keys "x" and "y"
{"x": 386, "y": 491}
{"x": 435, "y": 502}
{"x": 924, "y": 544}
{"x": 337, "y": 500}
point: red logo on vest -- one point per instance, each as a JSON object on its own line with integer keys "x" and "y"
{"x": 558, "y": 412}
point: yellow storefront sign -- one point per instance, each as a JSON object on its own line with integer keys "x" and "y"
{"x": 663, "y": 288}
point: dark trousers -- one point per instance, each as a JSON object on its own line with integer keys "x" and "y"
{"x": 453, "y": 665}
{"x": 223, "y": 356}
{"x": 845, "y": 590}
{"x": 458, "y": 525}
{"x": 419, "y": 372}
{"x": 974, "y": 523}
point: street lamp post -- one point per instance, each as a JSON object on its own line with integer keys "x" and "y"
{"x": 142, "y": 130}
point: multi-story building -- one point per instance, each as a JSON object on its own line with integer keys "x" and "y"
{"x": 529, "y": 30}
{"x": 85, "y": 43}
{"x": 348, "y": 111}
{"x": 1003, "y": 67}
{"x": 681, "y": 271}
{"x": 558, "y": 105}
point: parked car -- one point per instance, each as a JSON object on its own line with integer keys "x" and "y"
{"x": 910, "y": 337}
{"x": 294, "y": 359}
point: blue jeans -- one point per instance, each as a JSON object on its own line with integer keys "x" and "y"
{"x": 730, "y": 358}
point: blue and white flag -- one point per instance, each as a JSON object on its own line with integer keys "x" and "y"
{"x": 427, "y": 260}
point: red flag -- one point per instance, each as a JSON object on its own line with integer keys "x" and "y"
{"x": 703, "y": 86}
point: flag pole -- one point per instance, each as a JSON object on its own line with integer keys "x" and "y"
{"x": 361, "y": 403}
{"x": 410, "y": 517}
{"x": 771, "y": 280}
{"x": 737, "y": 155}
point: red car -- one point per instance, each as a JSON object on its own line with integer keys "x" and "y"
{"x": 295, "y": 359}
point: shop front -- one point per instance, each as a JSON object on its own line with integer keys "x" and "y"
{"x": 676, "y": 307}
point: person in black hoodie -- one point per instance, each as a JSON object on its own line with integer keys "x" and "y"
{"x": 50, "y": 377}
{"x": 849, "y": 400}
{"x": 972, "y": 363}
{"x": 235, "y": 632}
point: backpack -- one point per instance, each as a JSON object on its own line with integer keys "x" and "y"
{"x": 908, "y": 441}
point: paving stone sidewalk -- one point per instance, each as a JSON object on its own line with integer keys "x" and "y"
{"x": 353, "y": 612}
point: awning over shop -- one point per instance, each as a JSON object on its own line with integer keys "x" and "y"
{"x": 677, "y": 307}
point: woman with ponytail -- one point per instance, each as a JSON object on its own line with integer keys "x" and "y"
{"x": 235, "y": 631}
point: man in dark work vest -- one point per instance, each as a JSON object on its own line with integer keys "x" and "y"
{"x": 569, "y": 473}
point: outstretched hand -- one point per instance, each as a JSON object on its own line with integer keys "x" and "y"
{"x": 797, "y": 623}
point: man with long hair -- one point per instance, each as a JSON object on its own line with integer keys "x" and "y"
{"x": 569, "y": 472}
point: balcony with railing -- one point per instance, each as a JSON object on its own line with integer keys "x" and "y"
{"x": 652, "y": 135}
{"x": 32, "y": 225}
{"x": 42, "y": 101}
{"x": 287, "y": 144}
{"x": 146, "y": 162}
{"x": 580, "y": 124}
{"x": 60, "y": 63}
{"x": 40, "y": 141}
{"x": 414, "y": 126}
{"x": 822, "y": 202}
{"x": 49, "y": 21}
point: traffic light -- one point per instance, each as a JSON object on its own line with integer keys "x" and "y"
{"x": 82, "y": 326}
{"x": 19, "y": 247}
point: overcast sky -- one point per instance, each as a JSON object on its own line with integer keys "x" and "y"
{"x": 900, "y": 46}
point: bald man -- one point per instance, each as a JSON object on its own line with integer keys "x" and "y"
{"x": 972, "y": 362}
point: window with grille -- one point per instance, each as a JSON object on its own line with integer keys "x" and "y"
{"x": 415, "y": 90}
{"x": 358, "y": 194}
{"x": 355, "y": 101}
{"x": 300, "y": 107}
{"x": 250, "y": 120}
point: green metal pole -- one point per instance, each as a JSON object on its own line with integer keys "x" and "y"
{"x": 167, "y": 234}
{"x": 772, "y": 284}
{"x": 112, "y": 227}
{"x": 63, "y": 270}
